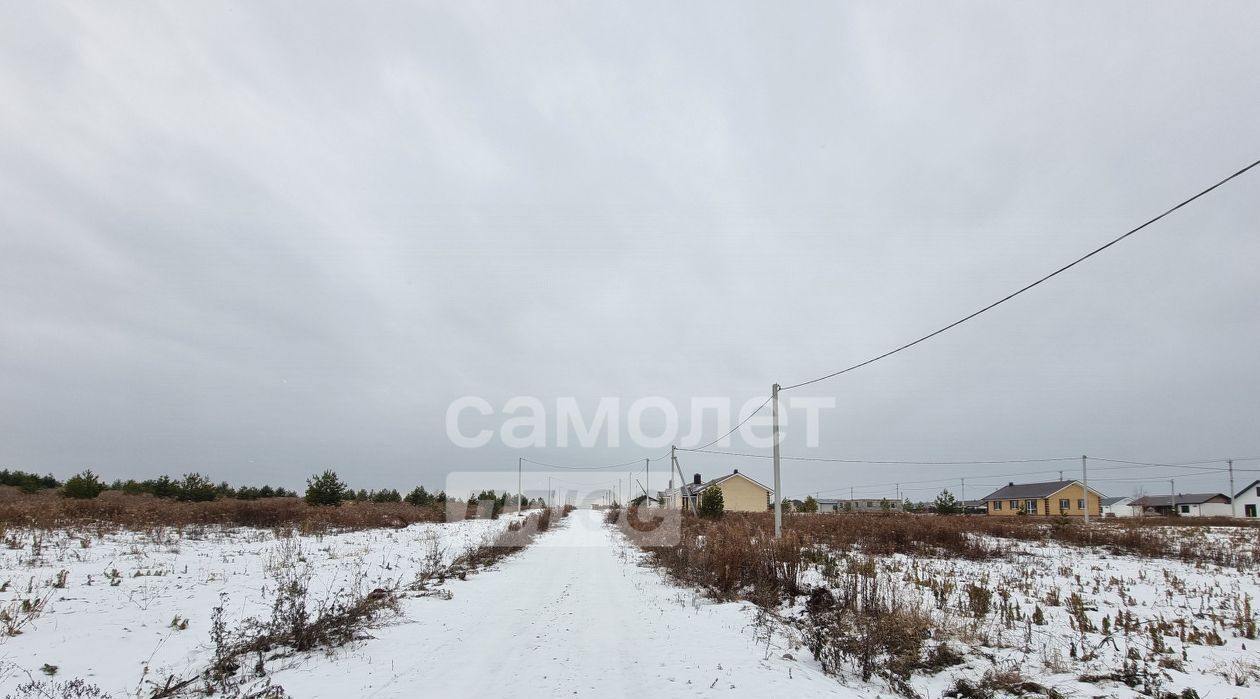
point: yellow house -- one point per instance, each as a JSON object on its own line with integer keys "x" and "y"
{"x": 739, "y": 493}
{"x": 1052, "y": 498}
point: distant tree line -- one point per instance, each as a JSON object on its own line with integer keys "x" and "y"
{"x": 27, "y": 482}
{"x": 194, "y": 487}
{"x": 324, "y": 489}
{"x": 321, "y": 489}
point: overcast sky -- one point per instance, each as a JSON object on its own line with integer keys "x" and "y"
{"x": 262, "y": 239}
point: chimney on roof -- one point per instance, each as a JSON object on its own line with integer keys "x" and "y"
{"x": 696, "y": 479}
{"x": 1012, "y": 483}
{"x": 736, "y": 470}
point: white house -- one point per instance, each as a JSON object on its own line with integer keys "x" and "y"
{"x": 1186, "y": 504}
{"x": 1117, "y": 507}
{"x": 1247, "y": 500}
{"x": 880, "y": 504}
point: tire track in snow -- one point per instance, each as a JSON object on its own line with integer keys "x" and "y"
{"x": 572, "y": 615}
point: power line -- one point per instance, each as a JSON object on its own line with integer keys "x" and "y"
{"x": 736, "y": 427}
{"x": 701, "y": 450}
{"x": 1008, "y": 297}
{"x": 591, "y": 468}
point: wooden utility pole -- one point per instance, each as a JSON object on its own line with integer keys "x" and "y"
{"x": 778, "y": 490}
{"x": 647, "y": 480}
{"x": 1233, "y": 506}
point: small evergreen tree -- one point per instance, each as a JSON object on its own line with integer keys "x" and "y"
{"x": 326, "y": 489}
{"x": 195, "y": 488}
{"x": 810, "y": 504}
{"x": 712, "y": 505}
{"x": 386, "y": 495}
{"x": 947, "y": 504}
{"x": 84, "y": 486}
{"x": 419, "y": 497}
{"x": 162, "y": 487}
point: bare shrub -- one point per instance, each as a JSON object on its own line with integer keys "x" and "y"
{"x": 297, "y": 624}
{"x": 998, "y": 682}
{"x": 734, "y": 557}
{"x": 866, "y": 623}
{"x": 48, "y": 689}
{"x": 508, "y": 542}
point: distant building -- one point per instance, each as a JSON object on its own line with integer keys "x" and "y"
{"x": 739, "y": 493}
{"x": 1051, "y": 498}
{"x": 1117, "y": 507}
{"x": 859, "y": 505}
{"x": 974, "y": 507}
{"x": 1185, "y": 505}
{"x": 1247, "y": 500}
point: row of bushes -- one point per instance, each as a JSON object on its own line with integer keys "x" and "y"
{"x": 323, "y": 489}
{"x": 48, "y": 510}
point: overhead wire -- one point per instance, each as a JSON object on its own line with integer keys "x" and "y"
{"x": 590, "y": 468}
{"x": 1012, "y": 295}
{"x": 736, "y": 427}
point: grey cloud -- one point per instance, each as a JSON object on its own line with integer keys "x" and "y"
{"x": 257, "y": 240}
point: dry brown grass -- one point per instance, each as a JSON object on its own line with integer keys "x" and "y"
{"x": 858, "y": 619}
{"x": 980, "y": 537}
{"x": 47, "y": 510}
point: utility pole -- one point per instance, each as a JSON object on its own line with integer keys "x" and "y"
{"x": 682, "y": 482}
{"x": 1233, "y": 506}
{"x": 518, "y": 484}
{"x": 550, "y": 501}
{"x": 778, "y": 490}
{"x": 647, "y": 483}
{"x": 1172, "y": 491}
{"x": 963, "y": 481}
{"x": 1085, "y": 483}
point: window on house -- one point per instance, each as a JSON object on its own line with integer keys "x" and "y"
{"x": 1258, "y": 491}
{"x": 1030, "y": 506}
{"x": 1065, "y": 504}
{"x": 1014, "y": 504}
{"x": 1080, "y": 503}
{"x": 1185, "y": 509}
{"x": 997, "y": 504}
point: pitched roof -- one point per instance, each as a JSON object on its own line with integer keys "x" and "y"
{"x": 1182, "y": 499}
{"x": 1107, "y": 502}
{"x": 1019, "y": 491}
{"x": 1243, "y": 492}
{"x": 693, "y": 489}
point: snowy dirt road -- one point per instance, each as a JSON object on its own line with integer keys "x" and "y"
{"x": 572, "y": 615}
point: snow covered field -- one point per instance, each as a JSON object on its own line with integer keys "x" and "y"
{"x": 578, "y": 614}
{"x": 128, "y": 606}
{"x": 1055, "y": 614}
